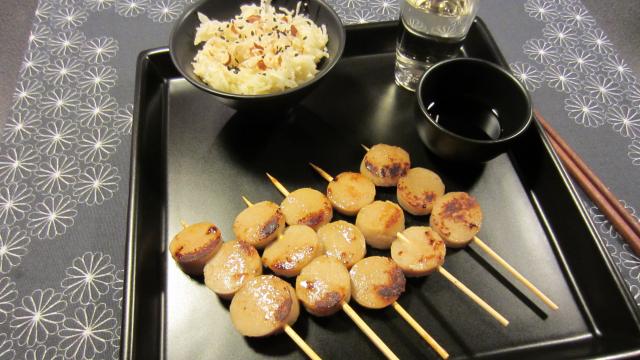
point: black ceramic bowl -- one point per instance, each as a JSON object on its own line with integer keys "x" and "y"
{"x": 183, "y": 51}
{"x": 471, "y": 110}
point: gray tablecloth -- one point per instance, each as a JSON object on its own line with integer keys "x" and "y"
{"x": 64, "y": 153}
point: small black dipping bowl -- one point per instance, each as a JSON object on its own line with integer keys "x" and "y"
{"x": 470, "y": 110}
{"x": 183, "y": 51}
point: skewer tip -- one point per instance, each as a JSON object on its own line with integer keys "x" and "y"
{"x": 364, "y": 147}
{"x": 322, "y": 173}
{"x": 246, "y": 201}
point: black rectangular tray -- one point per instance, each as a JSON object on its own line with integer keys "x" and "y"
{"x": 192, "y": 159}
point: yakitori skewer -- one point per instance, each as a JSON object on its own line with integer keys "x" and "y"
{"x": 405, "y": 315}
{"x": 328, "y": 302}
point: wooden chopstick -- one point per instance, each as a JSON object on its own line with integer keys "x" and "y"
{"x": 625, "y": 224}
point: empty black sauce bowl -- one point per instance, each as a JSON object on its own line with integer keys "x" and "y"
{"x": 183, "y": 51}
{"x": 471, "y": 110}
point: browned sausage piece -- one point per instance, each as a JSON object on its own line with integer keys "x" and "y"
{"x": 235, "y": 263}
{"x": 379, "y": 223}
{"x": 376, "y": 282}
{"x": 292, "y": 251}
{"x": 418, "y": 190}
{"x": 420, "y": 253}
{"x": 307, "y": 207}
{"x": 349, "y": 192}
{"x": 323, "y": 286}
{"x": 343, "y": 241}
{"x": 192, "y": 247}
{"x": 260, "y": 224}
{"x": 385, "y": 164}
{"x": 263, "y": 306}
{"x": 457, "y": 217}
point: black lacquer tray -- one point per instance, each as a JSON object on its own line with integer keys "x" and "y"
{"x": 193, "y": 158}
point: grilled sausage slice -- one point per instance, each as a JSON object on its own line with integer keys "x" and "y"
{"x": 457, "y": 218}
{"x": 349, "y": 192}
{"x": 292, "y": 251}
{"x": 323, "y": 286}
{"x": 260, "y": 224}
{"x": 418, "y": 190}
{"x": 192, "y": 247}
{"x": 307, "y": 207}
{"x": 379, "y": 223}
{"x": 385, "y": 164}
{"x": 231, "y": 267}
{"x": 343, "y": 241}
{"x": 420, "y": 253}
{"x": 263, "y": 306}
{"x": 376, "y": 282}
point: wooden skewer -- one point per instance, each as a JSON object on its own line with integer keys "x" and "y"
{"x": 364, "y": 147}
{"x": 183, "y": 224}
{"x": 301, "y": 343}
{"x": 478, "y": 300}
{"x": 325, "y": 175}
{"x": 278, "y": 185}
{"x": 420, "y": 330}
{"x": 515, "y": 273}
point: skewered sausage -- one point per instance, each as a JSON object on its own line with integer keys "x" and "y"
{"x": 292, "y": 251}
{"x": 379, "y": 223}
{"x": 264, "y": 306}
{"x": 457, "y": 218}
{"x": 192, "y": 247}
{"x": 385, "y": 164}
{"x": 323, "y": 286}
{"x": 343, "y": 241}
{"x": 420, "y": 253}
{"x": 349, "y": 192}
{"x": 307, "y": 207}
{"x": 418, "y": 190}
{"x": 376, "y": 282}
{"x": 232, "y": 266}
{"x": 260, "y": 224}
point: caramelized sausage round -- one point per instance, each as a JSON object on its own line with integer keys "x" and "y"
{"x": 343, "y": 241}
{"x": 457, "y": 218}
{"x": 292, "y": 251}
{"x": 307, "y": 207}
{"x": 231, "y": 267}
{"x": 260, "y": 224}
{"x": 379, "y": 223}
{"x": 418, "y": 190}
{"x": 385, "y": 164}
{"x": 263, "y": 306}
{"x": 323, "y": 286}
{"x": 349, "y": 192}
{"x": 192, "y": 247}
{"x": 420, "y": 253}
{"x": 376, "y": 282}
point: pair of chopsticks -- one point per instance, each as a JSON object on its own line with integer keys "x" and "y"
{"x": 625, "y": 224}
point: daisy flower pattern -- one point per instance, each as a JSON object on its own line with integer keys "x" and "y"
{"x": 99, "y": 5}
{"x": 63, "y": 71}
{"x": 34, "y": 62}
{"x": 86, "y": 334}
{"x": 98, "y": 79}
{"x": 97, "y": 110}
{"x": 59, "y": 102}
{"x": 88, "y": 278}
{"x": 38, "y": 317}
{"x": 625, "y": 120}
{"x": 18, "y": 163}
{"x": 630, "y": 262}
{"x": 130, "y": 8}
{"x": 98, "y": 145}
{"x": 21, "y": 126}
{"x": 634, "y": 94}
{"x": 8, "y": 295}
{"x": 97, "y": 184}
{"x": 15, "y": 200}
{"x": 99, "y": 50}
{"x": 57, "y": 136}
{"x": 359, "y": 16}
{"x": 634, "y": 152}
{"x": 27, "y": 93}
{"x": 540, "y": 51}
{"x": 562, "y": 79}
{"x": 56, "y": 175}
{"x": 6, "y": 348}
{"x": 617, "y": 68}
{"x": 351, "y": 4}
{"x": 580, "y": 60}
{"x": 43, "y": 10}
{"x": 13, "y": 246}
{"x": 385, "y": 7}
{"x": 66, "y": 43}
{"x": 560, "y": 34}
{"x": 542, "y": 10}
{"x": 584, "y": 110}
{"x": 596, "y": 40}
{"x": 604, "y": 89}
{"x": 123, "y": 120}
{"x": 52, "y": 217}
{"x": 163, "y": 11}
{"x": 43, "y": 353}
{"x": 578, "y": 17}
{"x": 118, "y": 285}
{"x": 69, "y": 18}
{"x": 527, "y": 74}
{"x": 38, "y": 36}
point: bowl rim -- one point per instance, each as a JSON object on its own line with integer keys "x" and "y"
{"x": 492, "y": 66}
{"x": 196, "y": 6}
